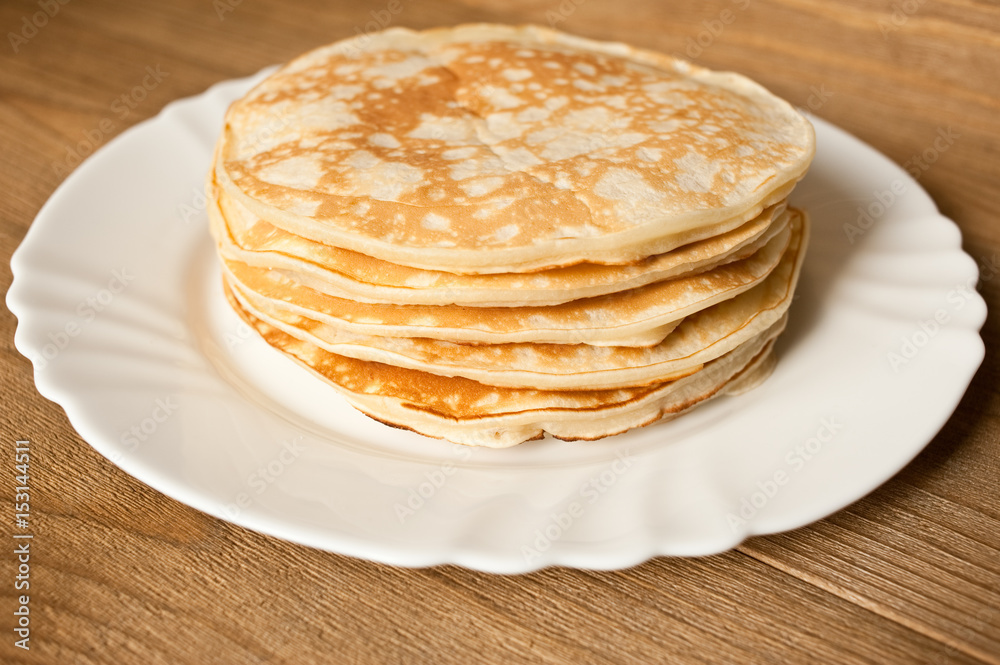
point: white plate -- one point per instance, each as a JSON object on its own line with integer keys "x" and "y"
{"x": 116, "y": 290}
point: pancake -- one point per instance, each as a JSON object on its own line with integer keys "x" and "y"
{"x": 637, "y": 317}
{"x": 472, "y": 413}
{"x": 489, "y": 234}
{"x": 346, "y": 274}
{"x": 494, "y": 149}
{"x": 699, "y": 338}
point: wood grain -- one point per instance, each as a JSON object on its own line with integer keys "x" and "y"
{"x": 122, "y": 574}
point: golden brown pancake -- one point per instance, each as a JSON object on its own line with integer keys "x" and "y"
{"x": 637, "y": 317}
{"x": 468, "y": 412}
{"x": 347, "y": 274}
{"x": 698, "y": 339}
{"x": 489, "y": 233}
{"x": 484, "y": 148}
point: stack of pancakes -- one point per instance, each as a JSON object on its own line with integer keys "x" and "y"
{"x": 487, "y": 233}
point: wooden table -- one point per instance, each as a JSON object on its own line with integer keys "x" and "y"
{"x": 122, "y": 574}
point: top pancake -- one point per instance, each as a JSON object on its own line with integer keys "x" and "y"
{"x": 483, "y": 149}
